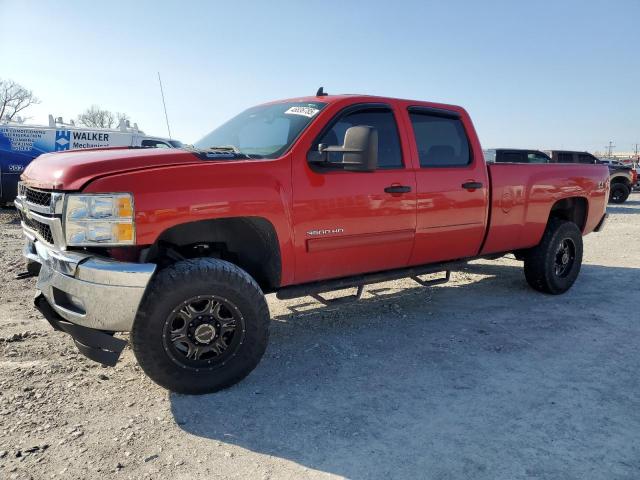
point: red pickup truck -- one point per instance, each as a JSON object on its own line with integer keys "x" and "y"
{"x": 297, "y": 197}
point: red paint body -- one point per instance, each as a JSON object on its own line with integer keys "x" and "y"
{"x": 368, "y": 229}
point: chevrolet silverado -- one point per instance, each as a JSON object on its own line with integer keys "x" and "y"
{"x": 296, "y": 197}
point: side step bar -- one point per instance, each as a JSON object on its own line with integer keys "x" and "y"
{"x": 314, "y": 289}
{"x": 341, "y": 300}
{"x": 435, "y": 281}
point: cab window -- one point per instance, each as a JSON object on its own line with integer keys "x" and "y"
{"x": 382, "y": 119}
{"x": 441, "y": 140}
{"x": 535, "y": 157}
{"x": 512, "y": 157}
{"x": 585, "y": 158}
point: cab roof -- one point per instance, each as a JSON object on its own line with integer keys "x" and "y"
{"x": 330, "y": 99}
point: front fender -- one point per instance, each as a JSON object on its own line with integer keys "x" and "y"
{"x": 165, "y": 197}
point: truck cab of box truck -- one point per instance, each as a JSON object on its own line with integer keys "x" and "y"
{"x": 21, "y": 143}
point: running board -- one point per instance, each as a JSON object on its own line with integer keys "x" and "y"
{"x": 313, "y": 289}
{"x": 435, "y": 281}
{"x": 340, "y": 300}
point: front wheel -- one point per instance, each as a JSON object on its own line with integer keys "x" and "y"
{"x": 202, "y": 326}
{"x": 554, "y": 264}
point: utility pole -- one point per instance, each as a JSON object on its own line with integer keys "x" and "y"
{"x": 635, "y": 152}
{"x": 609, "y": 148}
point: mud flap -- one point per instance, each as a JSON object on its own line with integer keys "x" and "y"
{"x": 97, "y": 345}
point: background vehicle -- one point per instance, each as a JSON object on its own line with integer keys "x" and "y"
{"x": 20, "y": 144}
{"x": 570, "y": 156}
{"x": 296, "y": 197}
{"x": 514, "y": 155}
{"x": 621, "y": 177}
{"x": 611, "y": 163}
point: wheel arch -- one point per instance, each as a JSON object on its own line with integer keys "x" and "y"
{"x": 251, "y": 243}
{"x": 621, "y": 179}
{"x": 572, "y": 209}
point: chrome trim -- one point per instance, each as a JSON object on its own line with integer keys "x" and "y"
{"x": 54, "y": 223}
{"x": 54, "y": 208}
{"x": 29, "y": 251}
{"x": 109, "y": 291}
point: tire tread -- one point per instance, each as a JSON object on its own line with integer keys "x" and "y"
{"x": 149, "y": 354}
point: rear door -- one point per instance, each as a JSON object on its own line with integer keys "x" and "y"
{"x": 348, "y": 222}
{"x": 452, "y": 183}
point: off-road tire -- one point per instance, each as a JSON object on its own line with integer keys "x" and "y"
{"x": 619, "y": 193}
{"x": 185, "y": 280}
{"x": 540, "y": 261}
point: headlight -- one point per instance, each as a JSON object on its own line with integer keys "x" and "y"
{"x": 99, "y": 219}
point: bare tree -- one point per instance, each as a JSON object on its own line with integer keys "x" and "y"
{"x": 122, "y": 117}
{"x": 95, "y": 116}
{"x": 14, "y": 98}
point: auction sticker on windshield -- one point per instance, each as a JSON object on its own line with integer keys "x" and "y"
{"x": 304, "y": 111}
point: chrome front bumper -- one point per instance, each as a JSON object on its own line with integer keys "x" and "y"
{"x": 88, "y": 290}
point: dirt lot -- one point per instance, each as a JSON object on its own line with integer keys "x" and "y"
{"x": 479, "y": 378}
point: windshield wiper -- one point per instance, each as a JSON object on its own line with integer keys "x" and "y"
{"x": 222, "y": 152}
{"x": 224, "y": 148}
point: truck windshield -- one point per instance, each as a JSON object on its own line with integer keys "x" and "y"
{"x": 265, "y": 131}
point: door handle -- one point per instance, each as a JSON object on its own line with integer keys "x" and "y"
{"x": 472, "y": 185}
{"x": 397, "y": 189}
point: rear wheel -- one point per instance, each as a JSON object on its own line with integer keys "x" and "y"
{"x": 202, "y": 326}
{"x": 553, "y": 265}
{"x": 619, "y": 193}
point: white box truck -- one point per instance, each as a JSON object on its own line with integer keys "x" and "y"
{"x": 20, "y": 144}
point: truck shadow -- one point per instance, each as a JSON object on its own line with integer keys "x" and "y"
{"x": 457, "y": 381}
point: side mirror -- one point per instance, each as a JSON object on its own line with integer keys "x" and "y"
{"x": 360, "y": 150}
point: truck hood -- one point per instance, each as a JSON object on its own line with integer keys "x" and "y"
{"x": 73, "y": 169}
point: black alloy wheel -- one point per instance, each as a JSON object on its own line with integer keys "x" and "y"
{"x": 203, "y": 332}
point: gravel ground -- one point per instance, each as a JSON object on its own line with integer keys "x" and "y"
{"x": 481, "y": 378}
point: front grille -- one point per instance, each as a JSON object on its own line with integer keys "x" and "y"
{"x": 38, "y": 197}
{"x": 42, "y": 229}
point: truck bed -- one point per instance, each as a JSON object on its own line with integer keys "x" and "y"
{"x": 522, "y": 195}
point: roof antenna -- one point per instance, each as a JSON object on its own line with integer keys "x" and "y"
{"x": 166, "y": 117}
{"x": 321, "y": 92}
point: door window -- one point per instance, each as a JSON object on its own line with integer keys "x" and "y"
{"x": 512, "y": 157}
{"x": 382, "y": 119}
{"x": 565, "y": 158}
{"x": 535, "y": 157}
{"x": 584, "y": 158}
{"x": 441, "y": 141}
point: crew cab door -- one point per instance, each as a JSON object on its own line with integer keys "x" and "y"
{"x": 452, "y": 186}
{"x": 349, "y": 222}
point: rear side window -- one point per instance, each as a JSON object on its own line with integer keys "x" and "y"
{"x": 512, "y": 157}
{"x": 382, "y": 119}
{"x": 583, "y": 158}
{"x": 441, "y": 141}
{"x": 535, "y": 157}
{"x": 565, "y": 158}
